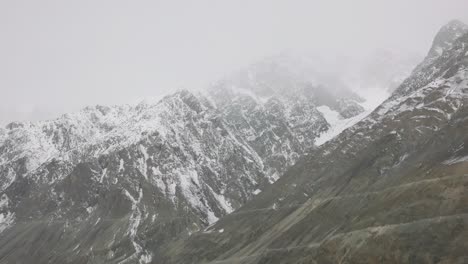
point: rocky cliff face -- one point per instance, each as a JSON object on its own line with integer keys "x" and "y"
{"x": 391, "y": 189}
{"x": 444, "y": 41}
{"x": 116, "y": 184}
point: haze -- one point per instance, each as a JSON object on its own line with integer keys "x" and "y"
{"x": 59, "y": 56}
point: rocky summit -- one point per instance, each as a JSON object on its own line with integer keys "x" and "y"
{"x": 273, "y": 164}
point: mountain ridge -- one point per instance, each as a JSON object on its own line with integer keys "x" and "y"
{"x": 363, "y": 196}
{"x": 195, "y": 178}
{"x": 139, "y": 175}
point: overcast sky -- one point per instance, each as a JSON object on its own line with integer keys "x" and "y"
{"x": 58, "y": 56}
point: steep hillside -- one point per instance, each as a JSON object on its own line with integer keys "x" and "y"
{"x": 391, "y": 189}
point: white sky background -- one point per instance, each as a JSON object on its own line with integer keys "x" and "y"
{"x": 58, "y": 56}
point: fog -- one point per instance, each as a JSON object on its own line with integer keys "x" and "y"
{"x": 59, "y": 56}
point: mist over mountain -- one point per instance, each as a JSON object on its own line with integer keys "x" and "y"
{"x": 294, "y": 157}
{"x": 371, "y": 194}
{"x": 59, "y": 57}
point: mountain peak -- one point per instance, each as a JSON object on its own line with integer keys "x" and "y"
{"x": 443, "y": 41}
{"x": 456, "y": 24}
{"x": 446, "y": 37}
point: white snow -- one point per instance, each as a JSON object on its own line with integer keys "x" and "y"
{"x": 134, "y": 222}
{"x": 89, "y": 209}
{"x": 91, "y": 131}
{"x": 337, "y": 124}
{"x": 273, "y": 177}
{"x": 332, "y": 116}
{"x": 157, "y": 179}
{"x": 8, "y": 179}
{"x": 225, "y": 205}
{"x": 455, "y": 160}
{"x": 7, "y": 218}
{"x": 104, "y": 172}
{"x": 274, "y": 206}
{"x": 451, "y": 88}
{"x": 121, "y": 165}
{"x": 190, "y": 186}
{"x": 4, "y": 201}
{"x": 145, "y": 258}
{"x": 143, "y": 161}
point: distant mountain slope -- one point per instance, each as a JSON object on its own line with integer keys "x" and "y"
{"x": 390, "y": 189}
{"x": 115, "y": 184}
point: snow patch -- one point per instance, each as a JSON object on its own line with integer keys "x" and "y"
{"x": 6, "y": 218}
{"x": 4, "y": 201}
{"x": 190, "y": 186}
{"x": 227, "y": 207}
{"x": 337, "y": 123}
{"x": 142, "y": 166}
{"x": 8, "y": 179}
{"x": 104, "y": 172}
{"x": 455, "y": 160}
{"x": 134, "y": 222}
{"x": 273, "y": 177}
{"x": 90, "y": 209}
{"x": 121, "y": 165}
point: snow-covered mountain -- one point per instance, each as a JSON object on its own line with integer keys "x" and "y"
{"x": 444, "y": 41}
{"x": 139, "y": 175}
{"x": 131, "y": 184}
{"x": 390, "y": 189}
